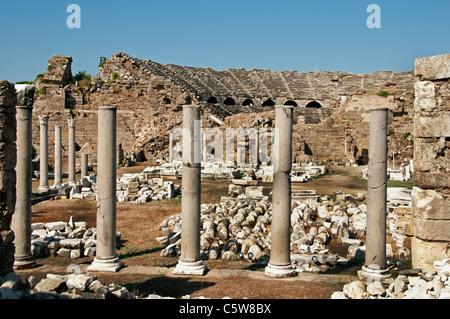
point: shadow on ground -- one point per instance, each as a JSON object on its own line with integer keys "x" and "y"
{"x": 168, "y": 286}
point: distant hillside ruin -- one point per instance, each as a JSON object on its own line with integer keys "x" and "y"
{"x": 330, "y": 115}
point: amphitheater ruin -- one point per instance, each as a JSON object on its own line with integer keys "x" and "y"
{"x": 241, "y": 126}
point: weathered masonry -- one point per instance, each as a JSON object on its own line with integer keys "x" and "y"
{"x": 8, "y": 160}
{"x": 431, "y": 193}
{"x": 330, "y": 108}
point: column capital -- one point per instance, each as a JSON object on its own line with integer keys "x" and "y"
{"x": 71, "y": 122}
{"x": 43, "y": 120}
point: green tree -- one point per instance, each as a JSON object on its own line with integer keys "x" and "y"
{"x": 79, "y": 76}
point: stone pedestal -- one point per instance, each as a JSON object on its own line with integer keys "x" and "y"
{"x": 375, "y": 265}
{"x": 58, "y": 156}
{"x": 72, "y": 145}
{"x": 280, "y": 260}
{"x": 106, "y": 256}
{"x": 189, "y": 263}
{"x": 43, "y": 155}
{"x": 21, "y": 220}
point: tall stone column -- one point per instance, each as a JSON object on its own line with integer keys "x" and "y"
{"x": 106, "y": 255}
{"x": 84, "y": 164}
{"x": 256, "y": 160}
{"x": 375, "y": 266}
{"x": 72, "y": 145}
{"x": 170, "y": 147}
{"x": 43, "y": 154}
{"x": 21, "y": 221}
{"x": 58, "y": 156}
{"x": 189, "y": 263}
{"x": 280, "y": 260}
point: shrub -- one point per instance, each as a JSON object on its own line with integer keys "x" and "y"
{"x": 79, "y": 76}
{"x": 24, "y": 82}
{"x": 40, "y": 75}
{"x": 383, "y": 93}
{"x": 42, "y": 90}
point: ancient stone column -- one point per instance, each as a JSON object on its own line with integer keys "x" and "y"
{"x": 170, "y": 147}
{"x": 106, "y": 255}
{"x": 43, "y": 154}
{"x": 21, "y": 221}
{"x": 256, "y": 147}
{"x": 375, "y": 266}
{"x": 58, "y": 156}
{"x": 8, "y": 162}
{"x": 72, "y": 172}
{"x": 189, "y": 263}
{"x": 84, "y": 164}
{"x": 280, "y": 260}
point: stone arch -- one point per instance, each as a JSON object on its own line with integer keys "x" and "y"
{"x": 291, "y": 103}
{"x": 247, "y": 102}
{"x": 268, "y": 102}
{"x": 229, "y": 101}
{"x": 314, "y": 104}
{"x": 212, "y": 100}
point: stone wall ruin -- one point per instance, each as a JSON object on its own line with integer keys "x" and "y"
{"x": 7, "y": 174}
{"x": 431, "y": 193}
{"x": 328, "y": 106}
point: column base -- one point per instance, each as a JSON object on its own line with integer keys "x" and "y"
{"x": 25, "y": 262}
{"x": 106, "y": 265}
{"x": 43, "y": 189}
{"x": 196, "y": 268}
{"x": 279, "y": 271}
{"x": 368, "y": 274}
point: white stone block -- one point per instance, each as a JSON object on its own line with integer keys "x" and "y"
{"x": 433, "y": 68}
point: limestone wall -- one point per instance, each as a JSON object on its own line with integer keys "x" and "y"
{"x": 7, "y": 174}
{"x": 256, "y": 85}
{"x": 431, "y": 193}
{"x": 149, "y": 97}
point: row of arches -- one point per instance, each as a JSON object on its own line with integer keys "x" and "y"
{"x": 269, "y": 102}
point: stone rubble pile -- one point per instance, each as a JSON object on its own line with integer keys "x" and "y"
{"x": 229, "y": 171}
{"x": 65, "y": 239}
{"x": 245, "y": 189}
{"x": 299, "y": 173}
{"x": 217, "y": 171}
{"x": 399, "y": 217}
{"x": 165, "y": 169}
{"x": 140, "y": 188}
{"x": 345, "y": 216}
{"x": 84, "y": 189}
{"x": 239, "y": 228}
{"x": 229, "y": 231}
{"x": 70, "y": 286}
{"x": 209, "y": 170}
{"x": 134, "y": 188}
{"x": 404, "y": 173}
{"x": 409, "y": 284}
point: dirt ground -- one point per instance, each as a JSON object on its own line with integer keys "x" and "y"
{"x": 146, "y": 272}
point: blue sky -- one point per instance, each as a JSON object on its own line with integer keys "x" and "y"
{"x": 299, "y": 35}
